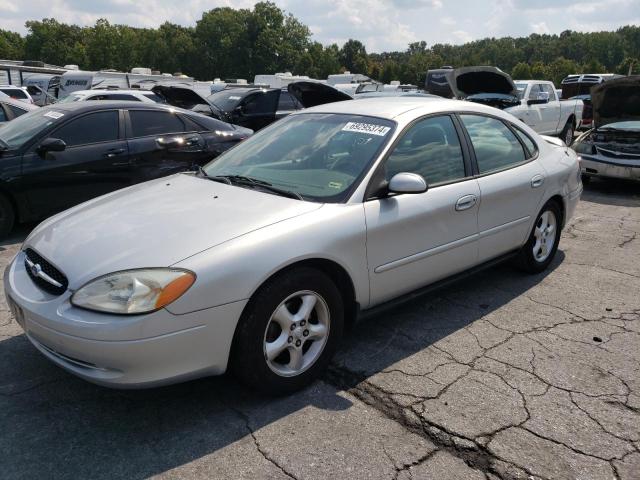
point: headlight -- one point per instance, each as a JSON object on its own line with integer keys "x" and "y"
{"x": 585, "y": 148}
{"x": 134, "y": 291}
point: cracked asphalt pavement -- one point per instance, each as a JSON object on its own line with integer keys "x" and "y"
{"x": 499, "y": 376}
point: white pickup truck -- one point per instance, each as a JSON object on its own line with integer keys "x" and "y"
{"x": 535, "y": 102}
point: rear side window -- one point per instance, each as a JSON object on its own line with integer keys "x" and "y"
{"x": 287, "y": 102}
{"x": 430, "y": 148}
{"x": 14, "y": 92}
{"x": 147, "y": 122}
{"x": 93, "y": 128}
{"x": 15, "y": 110}
{"x": 495, "y": 146}
{"x": 528, "y": 143}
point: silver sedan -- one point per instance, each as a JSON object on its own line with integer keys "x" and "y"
{"x": 257, "y": 262}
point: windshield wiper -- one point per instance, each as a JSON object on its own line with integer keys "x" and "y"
{"x": 249, "y": 181}
{"x": 204, "y": 174}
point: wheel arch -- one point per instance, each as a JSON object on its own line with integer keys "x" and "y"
{"x": 559, "y": 200}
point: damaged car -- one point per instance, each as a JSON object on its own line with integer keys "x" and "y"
{"x": 535, "y": 102}
{"x": 611, "y": 149}
{"x": 252, "y": 107}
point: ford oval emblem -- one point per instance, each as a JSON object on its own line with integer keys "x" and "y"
{"x": 36, "y": 269}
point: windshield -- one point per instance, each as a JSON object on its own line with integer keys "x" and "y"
{"x": 226, "y": 100}
{"x": 17, "y": 132}
{"x": 521, "y": 88}
{"x": 316, "y": 155}
{"x": 628, "y": 126}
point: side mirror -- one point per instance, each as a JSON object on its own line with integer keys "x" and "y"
{"x": 405, "y": 182}
{"x": 51, "y": 145}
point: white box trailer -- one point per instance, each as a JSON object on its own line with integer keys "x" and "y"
{"x": 72, "y": 81}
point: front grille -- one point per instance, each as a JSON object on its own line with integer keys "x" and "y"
{"x": 34, "y": 259}
{"x": 619, "y": 154}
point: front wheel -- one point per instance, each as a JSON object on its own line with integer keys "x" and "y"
{"x": 7, "y": 216}
{"x": 288, "y": 332}
{"x": 541, "y": 247}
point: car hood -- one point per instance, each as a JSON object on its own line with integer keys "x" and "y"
{"x": 467, "y": 81}
{"x": 616, "y": 101}
{"x": 155, "y": 224}
{"x": 311, "y": 94}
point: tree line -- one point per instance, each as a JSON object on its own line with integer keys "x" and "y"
{"x": 240, "y": 43}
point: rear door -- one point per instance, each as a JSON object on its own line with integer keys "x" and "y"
{"x": 95, "y": 162}
{"x": 162, "y": 142}
{"x": 511, "y": 181}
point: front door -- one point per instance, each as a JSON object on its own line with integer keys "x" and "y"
{"x": 257, "y": 110}
{"x": 511, "y": 180}
{"x": 417, "y": 239}
{"x": 95, "y": 162}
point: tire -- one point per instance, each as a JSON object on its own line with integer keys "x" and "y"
{"x": 7, "y": 216}
{"x": 586, "y": 179}
{"x": 304, "y": 351}
{"x": 536, "y": 255}
{"x": 567, "y": 134}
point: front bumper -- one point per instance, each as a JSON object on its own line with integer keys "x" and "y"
{"x": 596, "y": 166}
{"x": 121, "y": 351}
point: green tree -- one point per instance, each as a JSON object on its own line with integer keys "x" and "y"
{"x": 11, "y": 45}
{"x": 521, "y": 71}
{"x": 353, "y": 56}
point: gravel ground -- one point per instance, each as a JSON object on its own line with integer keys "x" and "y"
{"x": 501, "y": 375}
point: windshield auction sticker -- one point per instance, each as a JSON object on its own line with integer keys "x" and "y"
{"x": 53, "y": 114}
{"x": 370, "y": 128}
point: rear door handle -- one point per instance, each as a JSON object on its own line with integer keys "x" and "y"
{"x": 466, "y": 202}
{"x": 113, "y": 152}
{"x": 537, "y": 181}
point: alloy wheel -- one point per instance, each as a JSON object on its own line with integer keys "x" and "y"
{"x": 296, "y": 333}
{"x": 545, "y": 236}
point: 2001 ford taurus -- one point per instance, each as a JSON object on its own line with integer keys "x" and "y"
{"x": 257, "y": 262}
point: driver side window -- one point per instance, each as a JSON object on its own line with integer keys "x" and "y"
{"x": 431, "y": 148}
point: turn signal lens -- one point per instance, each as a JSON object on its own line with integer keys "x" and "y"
{"x": 134, "y": 291}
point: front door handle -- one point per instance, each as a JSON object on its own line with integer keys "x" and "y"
{"x": 466, "y": 202}
{"x": 537, "y": 181}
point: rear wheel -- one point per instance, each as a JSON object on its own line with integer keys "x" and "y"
{"x": 567, "y": 132}
{"x": 541, "y": 247}
{"x": 7, "y": 216}
{"x": 288, "y": 332}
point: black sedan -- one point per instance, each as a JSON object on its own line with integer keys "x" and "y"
{"x": 58, "y": 156}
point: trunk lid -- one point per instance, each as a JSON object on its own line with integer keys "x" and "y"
{"x": 310, "y": 94}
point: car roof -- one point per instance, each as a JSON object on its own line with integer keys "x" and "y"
{"x": 94, "y": 105}
{"x": 404, "y": 109}
{"x": 108, "y": 90}
{"x": 384, "y": 107}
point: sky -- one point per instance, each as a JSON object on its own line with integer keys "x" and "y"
{"x": 382, "y": 25}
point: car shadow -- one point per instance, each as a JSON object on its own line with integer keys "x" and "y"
{"x": 611, "y": 191}
{"x": 52, "y": 421}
